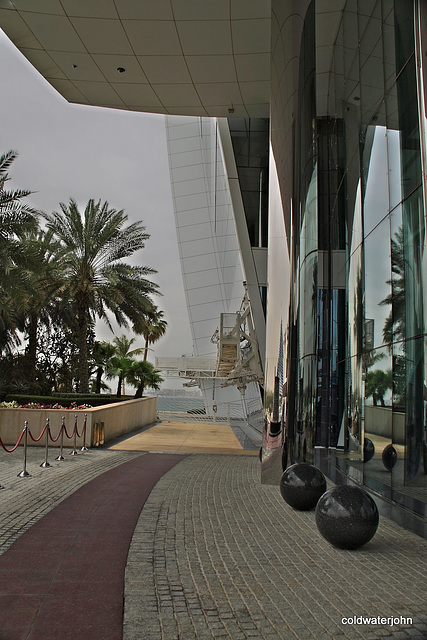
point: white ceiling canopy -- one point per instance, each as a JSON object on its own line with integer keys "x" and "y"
{"x": 189, "y": 57}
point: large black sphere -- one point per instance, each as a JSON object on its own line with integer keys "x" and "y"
{"x": 301, "y": 486}
{"x": 347, "y": 517}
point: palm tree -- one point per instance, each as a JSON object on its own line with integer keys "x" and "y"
{"x": 121, "y": 361}
{"x": 96, "y": 279}
{"x": 16, "y": 219}
{"x": 43, "y": 307}
{"x": 152, "y": 326}
{"x": 102, "y": 354}
{"x": 142, "y": 374}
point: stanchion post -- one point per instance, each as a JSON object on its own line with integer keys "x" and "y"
{"x": 84, "y": 447}
{"x": 45, "y": 464}
{"x": 74, "y": 452}
{"x": 61, "y": 457}
{"x": 24, "y": 473}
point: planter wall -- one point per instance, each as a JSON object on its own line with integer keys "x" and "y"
{"x": 383, "y": 421}
{"x": 118, "y": 418}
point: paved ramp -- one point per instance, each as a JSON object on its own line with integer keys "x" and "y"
{"x": 186, "y": 437}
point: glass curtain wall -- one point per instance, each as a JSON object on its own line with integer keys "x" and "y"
{"x": 357, "y": 349}
{"x": 302, "y": 356}
{"x": 385, "y": 250}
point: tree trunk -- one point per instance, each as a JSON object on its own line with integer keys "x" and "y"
{"x": 147, "y": 342}
{"x": 139, "y": 391}
{"x": 32, "y": 351}
{"x": 83, "y": 355}
{"x": 99, "y": 373}
{"x": 119, "y": 387}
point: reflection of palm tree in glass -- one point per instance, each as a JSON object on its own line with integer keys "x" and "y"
{"x": 394, "y": 328}
{"x": 377, "y": 383}
{"x": 394, "y": 324}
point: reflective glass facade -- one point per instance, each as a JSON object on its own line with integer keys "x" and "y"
{"x": 250, "y": 138}
{"x": 348, "y": 141}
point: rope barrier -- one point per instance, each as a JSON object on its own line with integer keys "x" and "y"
{"x": 45, "y": 464}
{"x": 16, "y": 445}
{"x": 24, "y": 473}
{"x": 66, "y": 432}
{"x": 84, "y": 447}
{"x": 74, "y": 452}
{"x": 40, "y": 436}
{"x": 57, "y": 437}
{"x": 61, "y": 444}
{"x": 47, "y": 431}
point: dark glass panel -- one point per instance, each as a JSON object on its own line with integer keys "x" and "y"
{"x": 404, "y": 31}
{"x": 250, "y": 138}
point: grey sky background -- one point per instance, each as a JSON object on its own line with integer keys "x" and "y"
{"x": 85, "y": 152}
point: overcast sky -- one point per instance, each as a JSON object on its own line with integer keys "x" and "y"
{"x": 85, "y": 152}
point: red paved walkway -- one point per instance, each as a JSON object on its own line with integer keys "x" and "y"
{"x": 64, "y": 578}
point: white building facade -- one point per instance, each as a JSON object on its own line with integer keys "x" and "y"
{"x": 217, "y": 262}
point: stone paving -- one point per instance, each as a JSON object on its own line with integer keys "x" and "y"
{"x": 216, "y": 554}
{"x": 23, "y": 501}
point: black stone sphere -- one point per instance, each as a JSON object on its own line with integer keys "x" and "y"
{"x": 301, "y": 486}
{"x": 368, "y": 450}
{"x": 347, "y": 517}
{"x": 389, "y": 457}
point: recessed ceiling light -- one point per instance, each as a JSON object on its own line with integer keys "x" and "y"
{"x": 121, "y": 69}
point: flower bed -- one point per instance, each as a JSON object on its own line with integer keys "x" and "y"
{"x": 13, "y": 404}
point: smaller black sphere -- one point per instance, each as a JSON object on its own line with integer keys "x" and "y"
{"x": 301, "y": 486}
{"x": 347, "y": 517}
{"x": 368, "y": 450}
{"x": 389, "y": 457}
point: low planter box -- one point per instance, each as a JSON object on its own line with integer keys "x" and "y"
{"x": 117, "y": 418}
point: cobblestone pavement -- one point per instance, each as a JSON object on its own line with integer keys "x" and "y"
{"x": 215, "y": 554}
{"x": 23, "y": 501}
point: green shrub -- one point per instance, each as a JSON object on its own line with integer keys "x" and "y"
{"x": 65, "y": 401}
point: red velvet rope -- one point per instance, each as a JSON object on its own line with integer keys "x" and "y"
{"x": 58, "y": 436}
{"x": 40, "y": 436}
{"x": 67, "y": 434}
{"x": 16, "y": 445}
{"x": 79, "y": 435}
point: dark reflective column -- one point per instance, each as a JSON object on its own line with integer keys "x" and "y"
{"x": 407, "y": 322}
